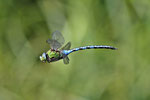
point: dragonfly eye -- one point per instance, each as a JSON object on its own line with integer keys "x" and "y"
{"x": 43, "y": 57}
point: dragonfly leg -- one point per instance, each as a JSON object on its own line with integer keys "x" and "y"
{"x": 47, "y": 58}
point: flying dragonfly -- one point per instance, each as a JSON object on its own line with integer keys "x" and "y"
{"x": 57, "y": 52}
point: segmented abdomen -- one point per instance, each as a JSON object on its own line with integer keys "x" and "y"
{"x": 94, "y": 47}
{"x": 89, "y": 47}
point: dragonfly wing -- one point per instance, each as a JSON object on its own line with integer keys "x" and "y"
{"x": 66, "y": 60}
{"x": 58, "y": 37}
{"x": 57, "y": 40}
{"x": 67, "y": 46}
{"x": 53, "y": 43}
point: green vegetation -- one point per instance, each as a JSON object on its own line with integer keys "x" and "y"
{"x": 25, "y": 25}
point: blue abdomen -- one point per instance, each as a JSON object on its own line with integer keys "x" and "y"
{"x": 66, "y": 52}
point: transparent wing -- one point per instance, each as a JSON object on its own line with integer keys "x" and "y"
{"x": 54, "y": 44}
{"x": 65, "y": 57}
{"x": 58, "y": 37}
{"x": 67, "y": 46}
{"x": 66, "y": 60}
{"x": 57, "y": 40}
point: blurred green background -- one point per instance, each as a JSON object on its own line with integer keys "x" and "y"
{"x": 92, "y": 74}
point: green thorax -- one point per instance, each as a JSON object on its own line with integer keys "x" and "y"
{"x": 53, "y": 54}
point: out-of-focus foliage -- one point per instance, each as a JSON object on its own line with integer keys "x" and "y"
{"x": 92, "y": 74}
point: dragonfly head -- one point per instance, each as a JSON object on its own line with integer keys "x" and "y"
{"x": 43, "y": 57}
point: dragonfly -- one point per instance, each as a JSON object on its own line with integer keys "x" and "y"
{"x": 57, "y": 52}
